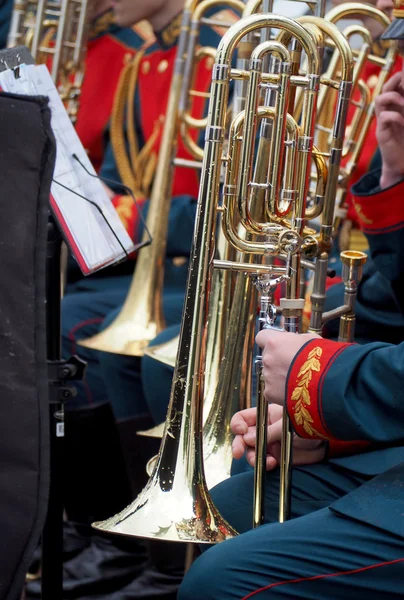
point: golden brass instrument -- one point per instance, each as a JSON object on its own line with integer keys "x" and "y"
{"x": 55, "y": 33}
{"x": 369, "y": 53}
{"x": 175, "y": 504}
{"x": 141, "y": 317}
{"x": 232, "y": 384}
{"x": 228, "y": 369}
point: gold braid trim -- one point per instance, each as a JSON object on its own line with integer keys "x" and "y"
{"x": 143, "y": 162}
{"x": 361, "y": 214}
{"x": 136, "y": 169}
{"x": 170, "y": 34}
{"x": 147, "y": 159}
{"x": 301, "y": 394}
{"x": 130, "y": 119}
{"x": 101, "y": 23}
{"x": 124, "y": 210}
{"x": 118, "y": 142}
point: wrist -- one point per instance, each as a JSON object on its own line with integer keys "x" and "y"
{"x": 389, "y": 178}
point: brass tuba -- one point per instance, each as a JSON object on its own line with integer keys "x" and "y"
{"x": 232, "y": 383}
{"x": 175, "y": 504}
{"x": 228, "y": 371}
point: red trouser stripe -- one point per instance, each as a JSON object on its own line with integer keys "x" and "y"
{"x": 272, "y": 585}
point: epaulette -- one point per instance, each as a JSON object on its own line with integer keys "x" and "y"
{"x": 144, "y": 30}
{"x": 101, "y": 24}
{"x": 225, "y": 16}
{"x": 170, "y": 34}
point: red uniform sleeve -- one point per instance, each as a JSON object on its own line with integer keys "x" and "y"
{"x": 304, "y": 379}
{"x": 381, "y": 211}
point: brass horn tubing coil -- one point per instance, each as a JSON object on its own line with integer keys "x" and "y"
{"x": 388, "y": 63}
{"x": 359, "y": 56}
{"x": 192, "y": 58}
{"x": 185, "y": 408}
{"x": 194, "y": 17}
{"x": 277, "y": 148}
{"x": 250, "y": 124}
{"x": 229, "y": 209}
{"x": 322, "y": 172}
{"x": 351, "y": 9}
{"x": 359, "y": 121}
{"x": 187, "y": 120}
{"x": 362, "y": 123}
{"x": 344, "y": 94}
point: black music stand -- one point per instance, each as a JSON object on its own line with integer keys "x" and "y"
{"x": 60, "y": 373}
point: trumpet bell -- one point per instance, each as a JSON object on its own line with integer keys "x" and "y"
{"x": 166, "y": 352}
{"x": 155, "y": 432}
{"x": 123, "y": 337}
{"x": 151, "y": 465}
{"x": 169, "y": 510}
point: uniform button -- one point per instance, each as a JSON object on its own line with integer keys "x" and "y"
{"x": 145, "y": 67}
{"x": 372, "y": 81}
{"x": 163, "y": 65}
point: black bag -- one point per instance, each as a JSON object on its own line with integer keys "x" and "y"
{"x": 27, "y": 155}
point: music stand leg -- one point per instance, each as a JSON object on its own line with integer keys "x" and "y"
{"x": 52, "y": 536}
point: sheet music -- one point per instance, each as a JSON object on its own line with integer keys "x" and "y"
{"x": 95, "y": 240}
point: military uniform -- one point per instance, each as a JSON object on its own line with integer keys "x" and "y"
{"x": 346, "y": 536}
{"x": 6, "y": 10}
{"x": 378, "y": 318}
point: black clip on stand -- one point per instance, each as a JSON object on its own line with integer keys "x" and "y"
{"x": 60, "y": 372}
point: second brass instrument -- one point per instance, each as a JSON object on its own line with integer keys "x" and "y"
{"x": 55, "y": 33}
{"x": 141, "y": 317}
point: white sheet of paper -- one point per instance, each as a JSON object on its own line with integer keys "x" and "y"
{"x": 95, "y": 240}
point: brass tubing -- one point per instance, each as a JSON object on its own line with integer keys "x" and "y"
{"x": 230, "y": 209}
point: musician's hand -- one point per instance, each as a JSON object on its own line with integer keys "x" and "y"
{"x": 243, "y": 425}
{"x": 389, "y": 106}
{"x": 279, "y": 350}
